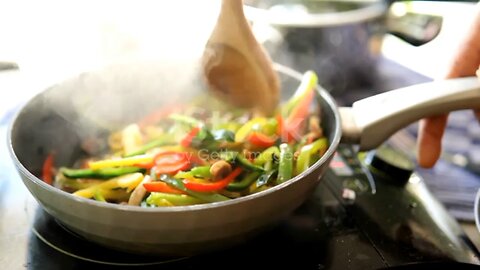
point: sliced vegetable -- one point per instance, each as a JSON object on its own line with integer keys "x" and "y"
{"x": 65, "y": 183}
{"x": 297, "y": 118}
{"x": 182, "y": 174}
{"x": 204, "y": 196}
{"x": 131, "y": 138}
{"x": 301, "y": 110}
{"x": 245, "y": 163}
{"x": 252, "y": 125}
{"x": 187, "y": 140}
{"x": 261, "y": 140}
{"x": 224, "y": 135}
{"x": 201, "y": 171}
{"x": 264, "y": 179}
{"x": 268, "y": 154}
{"x": 99, "y": 196}
{"x": 244, "y": 183}
{"x": 47, "y": 169}
{"x": 213, "y": 186}
{"x": 171, "y": 162}
{"x": 303, "y": 160}
{"x": 139, "y": 192}
{"x": 270, "y": 127}
{"x": 229, "y": 156}
{"x": 128, "y": 182}
{"x": 204, "y": 139}
{"x": 161, "y": 113}
{"x": 158, "y": 199}
{"x": 319, "y": 145}
{"x": 307, "y": 151}
{"x": 187, "y": 120}
{"x": 120, "y": 162}
{"x": 285, "y": 167}
{"x": 105, "y": 173}
{"x": 230, "y": 126}
{"x": 165, "y": 139}
{"x": 308, "y": 84}
{"x": 159, "y": 186}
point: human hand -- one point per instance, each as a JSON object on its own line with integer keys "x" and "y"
{"x": 466, "y": 62}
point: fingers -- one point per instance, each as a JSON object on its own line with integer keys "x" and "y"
{"x": 465, "y": 62}
{"x": 429, "y": 140}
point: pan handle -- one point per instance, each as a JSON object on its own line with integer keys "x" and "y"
{"x": 370, "y": 121}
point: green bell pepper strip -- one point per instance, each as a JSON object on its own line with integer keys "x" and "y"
{"x": 246, "y": 164}
{"x": 229, "y": 156}
{"x": 201, "y": 171}
{"x": 105, "y": 173}
{"x": 268, "y": 154}
{"x": 307, "y": 151}
{"x": 303, "y": 160}
{"x": 167, "y": 139}
{"x": 265, "y": 178}
{"x": 285, "y": 167}
{"x": 268, "y": 166}
{"x": 224, "y": 135}
{"x": 244, "y": 183}
{"x": 204, "y": 196}
{"x": 319, "y": 145}
{"x": 270, "y": 127}
{"x": 182, "y": 174}
{"x": 158, "y": 199}
{"x": 183, "y": 119}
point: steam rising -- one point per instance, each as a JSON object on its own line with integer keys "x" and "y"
{"x": 146, "y": 56}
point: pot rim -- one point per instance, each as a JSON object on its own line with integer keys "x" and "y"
{"x": 373, "y": 9}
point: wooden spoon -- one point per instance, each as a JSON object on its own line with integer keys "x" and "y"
{"x": 236, "y": 67}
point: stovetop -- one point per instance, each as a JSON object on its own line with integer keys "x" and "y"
{"x": 387, "y": 223}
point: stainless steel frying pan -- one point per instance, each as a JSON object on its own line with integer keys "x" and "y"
{"x": 61, "y": 117}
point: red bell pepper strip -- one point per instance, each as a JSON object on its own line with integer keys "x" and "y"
{"x": 285, "y": 130}
{"x": 158, "y": 115}
{"x": 290, "y": 128}
{"x": 146, "y": 165}
{"x": 187, "y": 140}
{"x": 172, "y": 168}
{"x": 301, "y": 110}
{"x": 159, "y": 186}
{"x": 261, "y": 140}
{"x": 47, "y": 169}
{"x": 170, "y": 162}
{"x": 214, "y": 186}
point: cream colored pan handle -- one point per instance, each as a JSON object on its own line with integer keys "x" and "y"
{"x": 370, "y": 121}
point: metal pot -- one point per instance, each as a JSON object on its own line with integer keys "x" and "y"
{"x": 339, "y": 39}
{"x": 61, "y": 117}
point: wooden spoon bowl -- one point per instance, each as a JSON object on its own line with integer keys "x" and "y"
{"x": 236, "y": 67}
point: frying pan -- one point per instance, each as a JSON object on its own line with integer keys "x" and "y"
{"x": 61, "y": 117}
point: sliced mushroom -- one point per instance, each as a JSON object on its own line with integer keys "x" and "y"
{"x": 220, "y": 169}
{"x": 139, "y": 192}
